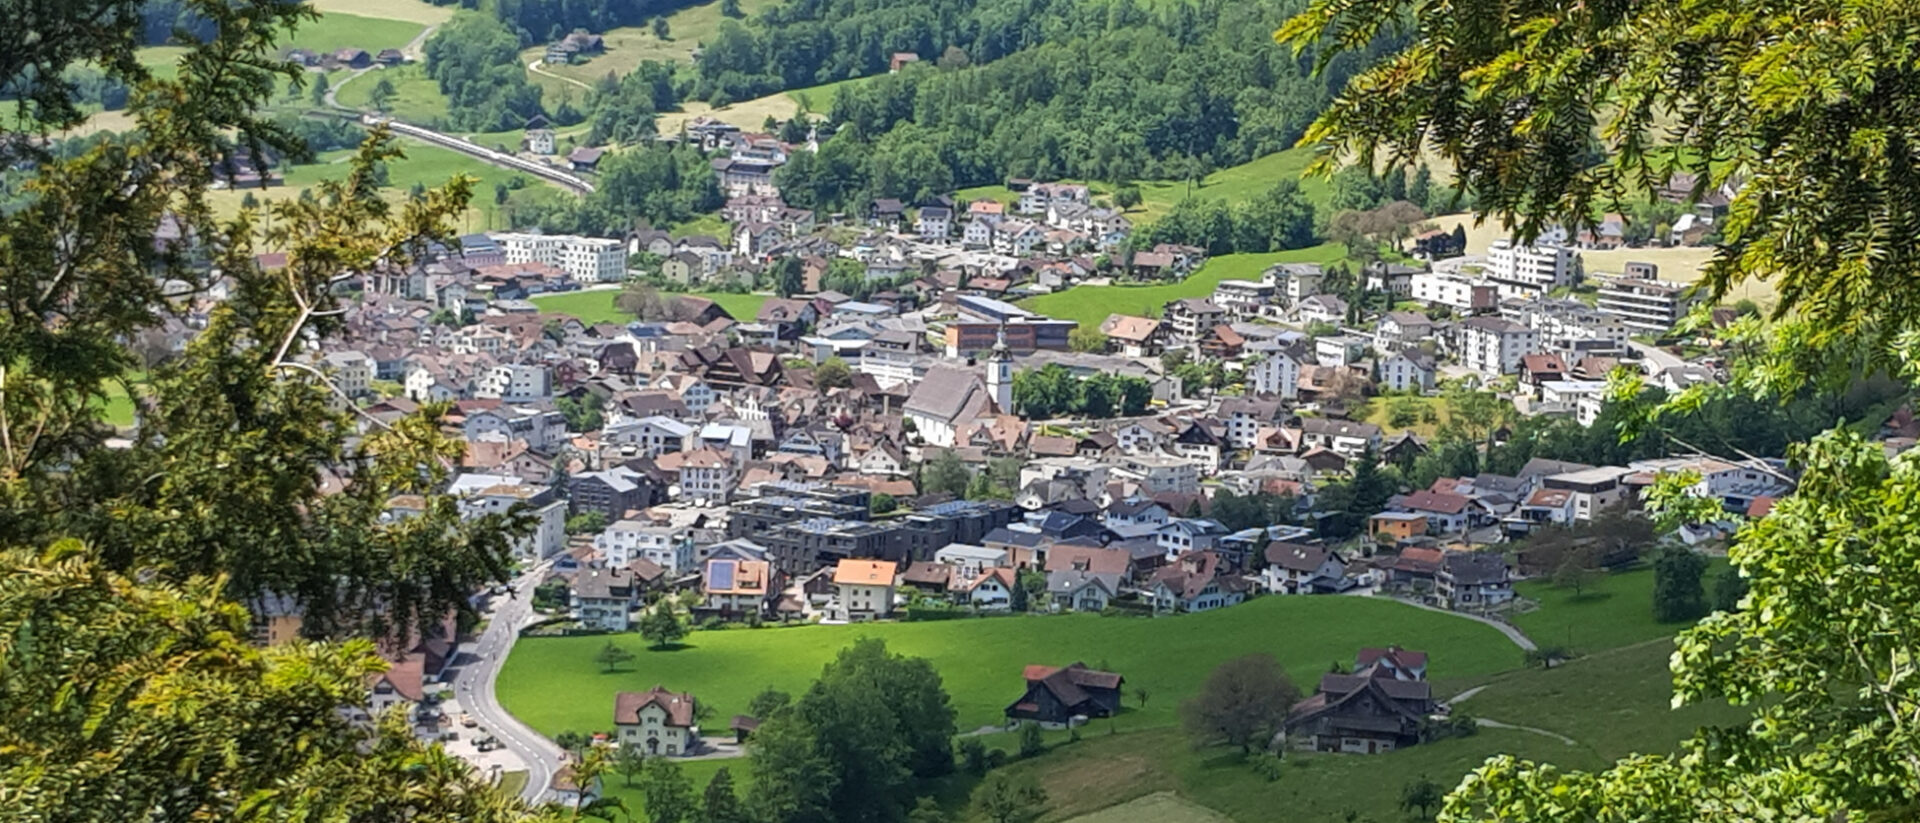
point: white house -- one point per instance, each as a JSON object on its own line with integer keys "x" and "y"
{"x": 707, "y": 476}
{"x": 1297, "y": 568}
{"x": 1407, "y": 370}
{"x": 656, "y": 722}
{"x": 1494, "y": 346}
{"x": 603, "y": 599}
{"x": 667, "y": 546}
{"x": 1277, "y": 374}
{"x": 866, "y": 588}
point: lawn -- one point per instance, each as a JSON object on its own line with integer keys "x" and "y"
{"x": 416, "y": 98}
{"x": 597, "y": 306}
{"x": 819, "y": 99}
{"x": 629, "y": 46}
{"x": 1433, "y": 413}
{"x": 1091, "y": 304}
{"x": 554, "y": 685}
{"x": 1160, "y": 807}
{"x": 1615, "y": 610}
{"x": 1234, "y": 184}
{"x": 512, "y": 782}
{"x": 1610, "y": 705}
{"x": 335, "y": 31}
{"x": 409, "y": 11}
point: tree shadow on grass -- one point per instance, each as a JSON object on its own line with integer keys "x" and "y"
{"x": 1590, "y": 597}
{"x": 671, "y": 647}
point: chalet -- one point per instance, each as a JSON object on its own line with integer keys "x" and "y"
{"x": 900, "y": 60}
{"x": 1198, "y": 582}
{"x": 1059, "y": 695}
{"x": 352, "y": 58}
{"x": 1297, "y": 568}
{"x": 1473, "y": 580}
{"x": 585, "y": 158}
{"x": 390, "y": 57}
{"x": 1380, "y": 707}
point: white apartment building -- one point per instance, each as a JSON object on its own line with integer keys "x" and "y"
{"x": 669, "y": 547}
{"x": 1531, "y": 270}
{"x": 707, "y": 476}
{"x": 1642, "y": 301}
{"x": 1594, "y": 490}
{"x": 516, "y": 383}
{"x": 1242, "y": 298}
{"x": 1159, "y": 473}
{"x": 1455, "y": 291}
{"x": 650, "y": 436}
{"x": 1493, "y": 346}
{"x": 1296, "y": 281}
{"x": 587, "y": 259}
{"x": 1278, "y": 375}
{"x": 484, "y": 494}
{"x": 1564, "y": 325}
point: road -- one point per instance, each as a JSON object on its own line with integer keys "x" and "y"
{"x": 415, "y": 49}
{"x": 479, "y": 666}
{"x": 537, "y": 68}
{"x": 1657, "y": 359}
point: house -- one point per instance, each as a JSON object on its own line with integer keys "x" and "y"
{"x": 565, "y": 789}
{"x": 1393, "y": 527}
{"x": 990, "y": 590}
{"x": 934, "y": 222}
{"x": 1322, "y": 308}
{"x": 352, "y": 58}
{"x": 1343, "y": 437}
{"x": 866, "y": 587}
{"x": 1277, "y": 374}
{"x": 900, "y": 60}
{"x": 1197, "y": 582}
{"x": 1473, "y": 580}
{"x": 656, "y": 721}
{"x": 1133, "y": 336}
{"x": 1391, "y": 662}
{"x": 1058, "y": 695}
{"x": 1408, "y": 370}
{"x": 585, "y": 158}
{"x": 1372, "y": 710}
{"x": 707, "y": 476}
{"x": 737, "y": 586}
{"x": 1297, "y": 568}
{"x": 390, "y": 57}
{"x": 1080, "y": 590}
{"x": 603, "y": 599}
{"x": 1190, "y": 319}
{"x": 1445, "y": 513}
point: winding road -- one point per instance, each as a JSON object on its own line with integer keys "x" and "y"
{"x": 537, "y": 68}
{"x": 474, "y": 684}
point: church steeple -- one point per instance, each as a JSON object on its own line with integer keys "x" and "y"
{"x": 1000, "y": 373}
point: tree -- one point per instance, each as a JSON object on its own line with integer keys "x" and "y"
{"x": 789, "y": 276}
{"x": 1679, "y": 592}
{"x": 832, "y": 374}
{"x": 768, "y": 701}
{"x": 587, "y": 522}
{"x": 1243, "y": 702}
{"x": 1765, "y": 135}
{"x": 728, "y": 8}
{"x": 1085, "y": 339}
{"x": 853, "y": 745}
{"x": 642, "y": 301}
{"x": 1005, "y": 799}
{"x": 662, "y": 627}
{"x": 926, "y": 810}
{"x": 973, "y": 756}
{"x": 628, "y": 761}
{"x": 1127, "y": 196}
{"x": 611, "y": 657}
{"x": 317, "y": 93}
{"x": 1728, "y": 588}
{"x": 720, "y": 803}
{"x": 669, "y": 795}
{"x": 1421, "y": 795}
{"x": 881, "y": 503}
{"x": 660, "y": 27}
{"x": 381, "y": 96}
{"x": 945, "y": 473}
{"x": 1031, "y": 743}
{"x": 1140, "y": 695}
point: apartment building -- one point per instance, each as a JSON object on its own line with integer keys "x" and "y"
{"x": 1642, "y": 301}
{"x": 1493, "y": 346}
{"x": 1529, "y": 271}
{"x": 586, "y": 259}
{"x": 1455, "y": 291}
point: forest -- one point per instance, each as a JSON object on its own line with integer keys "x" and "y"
{"x": 1171, "y": 94}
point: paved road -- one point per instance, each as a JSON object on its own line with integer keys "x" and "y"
{"x": 480, "y": 666}
{"x": 414, "y": 50}
{"x": 1519, "y": 639}
{"x": 1657, "y": 359}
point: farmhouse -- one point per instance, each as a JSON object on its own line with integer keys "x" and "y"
{"x": 656, "y": 721}
{"x": 1058, "y": 695}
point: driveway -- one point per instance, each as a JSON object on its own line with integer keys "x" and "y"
{"x": 473, "y": 682}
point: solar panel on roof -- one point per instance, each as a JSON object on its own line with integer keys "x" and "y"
{"x": 720, "y": 574}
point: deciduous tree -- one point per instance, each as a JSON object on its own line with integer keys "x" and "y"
{"x": 1243, "y": 703}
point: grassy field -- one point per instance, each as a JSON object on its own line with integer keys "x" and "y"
{"x": 819, "y": 99}
{"x": 629, "y": 46}
{"x": 1622, "y": 707}
{"x": 1234, "y": 184}
{"x": 1379, "y": 411}
{"x": 1159, "y": 807}
{"x": 339, "y": 30}
{"x": 1614, "y": 610}
{"x": 1092, "y": 304}
{"x": 597, "y": 306}
{"x": 554, "y": 685}
{"x": 416, "y": 99}
{"x": 408, "y": 11}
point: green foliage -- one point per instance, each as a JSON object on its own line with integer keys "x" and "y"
{"x": 476, "y": 61}
{"x": 612, "y": 656}
{"x": 662, "y": 626}
{"x": 832, "y": 373}
{"x": 767, "y": 702}
{"x": 1052, "y": 391}
{"x": 945, "y": 473}
{"x": 1679, "y": 590}
{"x": 1031, "y": 743}
{"x": 1084, "y": 339}
{"x": 1748, "y": 103}
{"x": 1243, "y": 702}
{"x": 669, "y": 795}
{"x": 1280, "y": 219}
{"x": 852, "y": 747}
{"x": 973, "y": 756}
{"x": 664, "y": 184}
{"x": 624, "y": 111}
{"x": 1257, "y": 510}
{"x": 881, "y": 503}
{"x": 1002, "y": 798}
{"x": 1345, "y": 505}
{"x": 586, "y": 414}
{"x": 720, "y": 803}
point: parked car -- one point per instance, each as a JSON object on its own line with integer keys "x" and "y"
{"x": 468, "y": 721}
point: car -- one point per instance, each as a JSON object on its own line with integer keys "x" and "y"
{"x": 468, "y": 721}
